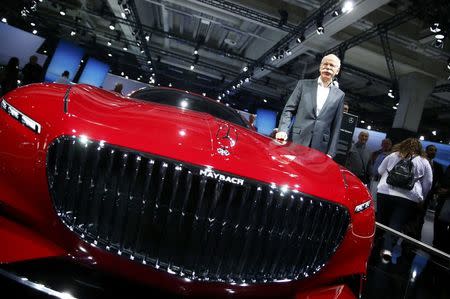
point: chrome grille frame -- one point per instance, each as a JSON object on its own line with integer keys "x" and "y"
{"x": 164, "y": 214}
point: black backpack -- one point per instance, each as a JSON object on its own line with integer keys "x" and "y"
{"x": 402, "y": 174}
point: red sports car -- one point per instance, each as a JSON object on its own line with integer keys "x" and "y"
{"x": 173, "y": 190}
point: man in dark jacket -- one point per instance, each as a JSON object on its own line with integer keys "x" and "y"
{"x": 359, "y": 157}
{"x": 32, "y": 72}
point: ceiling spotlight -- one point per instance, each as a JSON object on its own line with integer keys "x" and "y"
{"x": 72, "y": 33}
{"x": 434, "y": 133}
{"x": 245, "y": 68}
{"x": 123, "y": 15}
{"x": 422, "y": 138}
{"x": 320, "y": 30}
{"x": 300, "y": 39}
{"x": 439, "y": 36}
{"x": 391, "y": 94}
{"x": 109, "y": 54}
{"x": 34, "y": 31}
{"x": 170, "y": 84}
{"x": 4, "y": 20}
{"x": 149, "y": 62}
{"x": 288, "y": 52}
{"x": 273, "y": 58}
{"x": 192, "y": 67}
{"x": 335, "y": 13}
{"x": 62, "y": 12}
{"x": 112, "y": 26}
{"x": 347, "y": 7}
{"x": 204, "y": 94}
{"x": 147, "y": 38}
{"x": 265, "y": 101}
{"x": 439, "y": 43}
{"x": 435, "y": 28}
{"x": 369, "y": 127}
{"x": 125, "y": 48}
{"x": 394, "y": 107}
{"x": 32, "y": 24}
{"x": 195, "y": 52}
{"x": 109, "y": 43}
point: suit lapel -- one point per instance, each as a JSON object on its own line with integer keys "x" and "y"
{"x": 314, "y": 96}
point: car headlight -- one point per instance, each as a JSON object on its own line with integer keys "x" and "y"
{"x": 21, "y": 117}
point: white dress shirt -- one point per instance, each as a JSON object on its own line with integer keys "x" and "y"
{"x": 322, "y": 95}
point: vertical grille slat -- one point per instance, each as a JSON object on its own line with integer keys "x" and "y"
{"x": 191, "y": 221}
{"x": 139, "y": 234}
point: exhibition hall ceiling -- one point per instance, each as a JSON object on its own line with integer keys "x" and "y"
{"x": 251, "y": 52}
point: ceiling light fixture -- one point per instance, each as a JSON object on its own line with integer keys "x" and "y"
{"x": 320, "y": 29}
{"x": 435, "y": 28}
{"x": 34, "y": 31}
{"x": 300, "y": 39}
{"x": 391, "y": 94}
{"x": 62, "y": 12}
{"x": 4, "y": 20}
{"x": 109, "y": 43}
{"x": 112, "y": 26}
{"x": 439, "y": 36}
{"x": 347, "y": 7}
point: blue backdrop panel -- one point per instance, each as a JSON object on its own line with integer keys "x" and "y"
{"x": 67, "y": 57}
{"x": 94, "y": 72}
{"x": 265, "y": 121}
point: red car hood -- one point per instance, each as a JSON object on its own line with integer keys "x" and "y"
{"x": 191, "y": 137}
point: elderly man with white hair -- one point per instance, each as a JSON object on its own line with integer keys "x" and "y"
{"x": 317, "y": 106}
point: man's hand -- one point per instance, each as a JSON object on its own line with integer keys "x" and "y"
{"x": 281, "y": 136}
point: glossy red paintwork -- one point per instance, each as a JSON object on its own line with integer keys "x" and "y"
{"x": 174, "y": 133}
{"x": 335, "y": 292}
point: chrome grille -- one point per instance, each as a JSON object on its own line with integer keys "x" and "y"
{"x": 167, "y": 215}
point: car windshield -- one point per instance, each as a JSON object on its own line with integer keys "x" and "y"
{"x": 189, "y": 101}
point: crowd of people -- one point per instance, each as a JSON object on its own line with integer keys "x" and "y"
{"x": 32, "y": 72}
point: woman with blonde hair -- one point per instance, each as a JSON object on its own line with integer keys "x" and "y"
{"x": 398, "y": 205}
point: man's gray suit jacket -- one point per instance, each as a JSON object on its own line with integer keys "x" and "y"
{"x": 319, "y": 132}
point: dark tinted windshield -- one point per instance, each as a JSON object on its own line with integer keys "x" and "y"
{"x": 188, "y": 101}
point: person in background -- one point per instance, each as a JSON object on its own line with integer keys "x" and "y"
{"x": 375, "y": 160}
{"x": 441, "y": 239}
{"x": 118, "y": 88}
{"x": 64, "y": 79}
{"x": 9, "y": 76}
{"x": 317, "y": 105}
{"x": 431, "y": 199}
{"x": 438, "y": 172}
{"x": 346, "y": 107}
{"x": 358, "y": 158}
{"x": 32, "y": 72}
{"x": 399, "y": 206}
